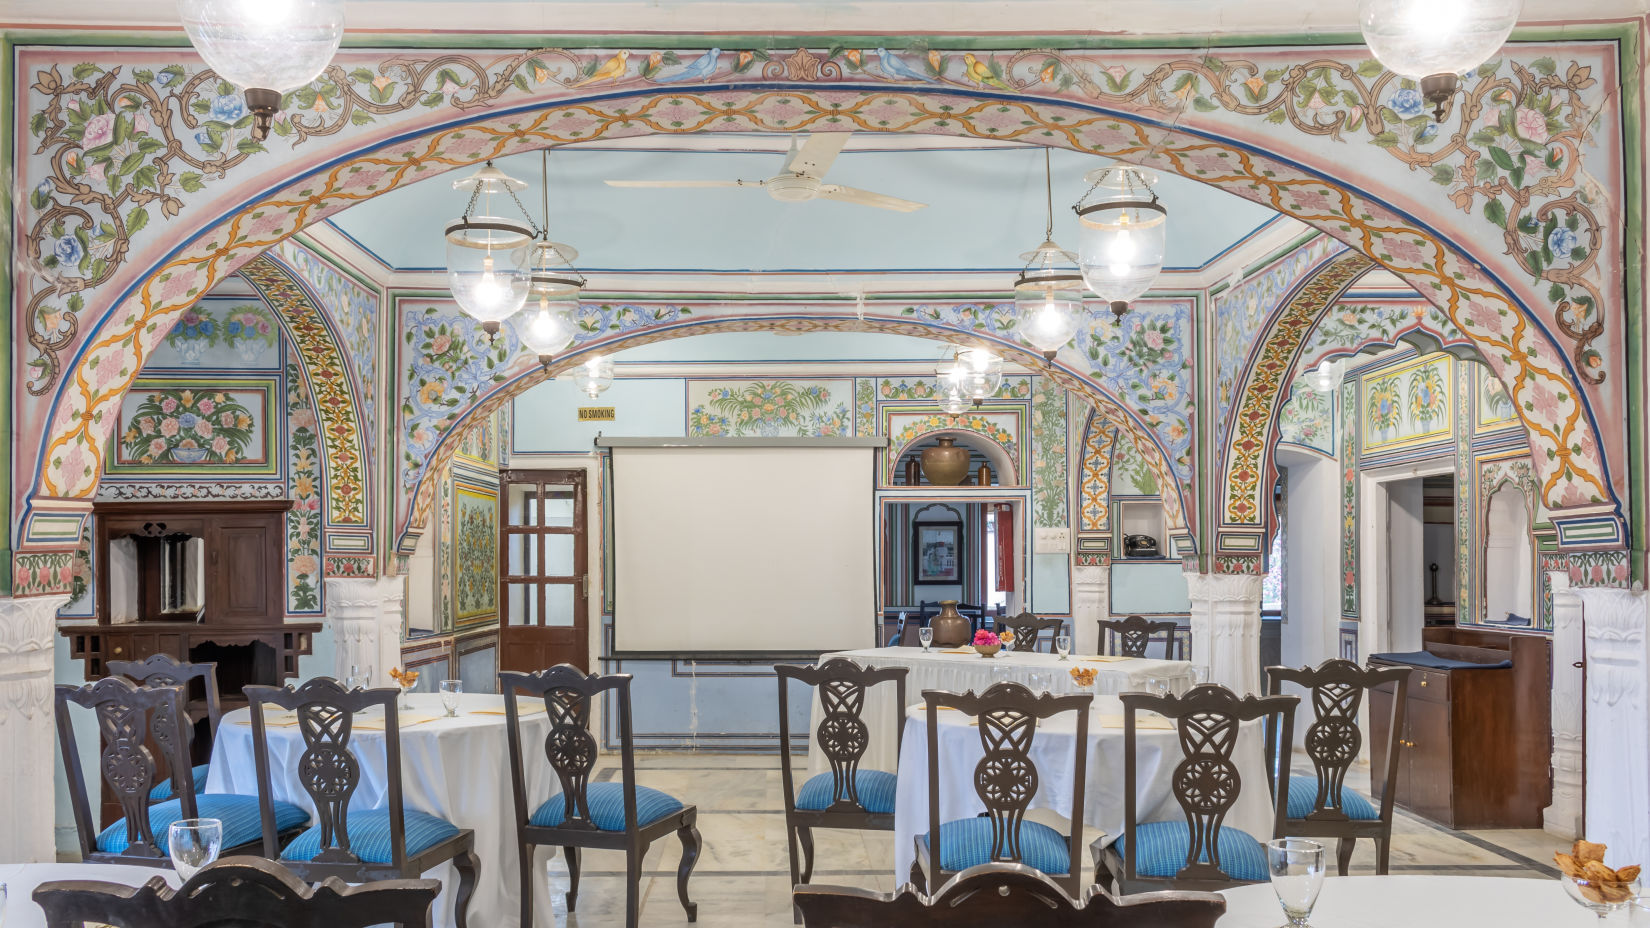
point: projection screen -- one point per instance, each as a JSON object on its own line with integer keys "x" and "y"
{"x": 743, "y": 545}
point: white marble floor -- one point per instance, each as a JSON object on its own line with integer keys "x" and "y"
{"x": 743, "y": 876}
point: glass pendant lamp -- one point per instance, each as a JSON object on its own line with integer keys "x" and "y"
{"x": 1122, "y": 236}
{"x": 594, "y": 376}
{"x": 554, "y": 284}
{"x": 1048, "y": 295}
{"x": 981, "y": 374}
{"x": 265, "y": 47}
{"x": 1433, "y": 41}
{"x": 1326, "y": 377}
{"x": 487, "y": 254}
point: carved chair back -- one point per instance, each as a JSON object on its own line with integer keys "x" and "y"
{"x": 328, "y": 768}
{"x": 905, "y": 632}
{"x": 1006, "y": 778}
{"x": 1206, "y": 782}
{"x": 1028, "y": 631}
{"x": 166, "y": 670}
{"x": 130, "y": 719}
{"x": 842, "y": 734}
{"x": 238, "y": 892}
{"x": 993, "y": 895}
{"x": 1333, "y": 739}
{"x": 1135, "y": 634}
{"x": 569, "y": 694}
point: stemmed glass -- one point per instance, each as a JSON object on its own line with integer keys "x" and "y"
{"x": 1062, "y": 645}
{"x": 359, "y": 676}
{"x": 926, "y": 636}
{"x": 1296, "y": 868}
{"x": 450, "y": 691}
{"x": 194, "y": 843}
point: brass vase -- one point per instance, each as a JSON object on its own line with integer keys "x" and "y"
{"x": 951, "y": 630}
{"x": 945, "y": 465}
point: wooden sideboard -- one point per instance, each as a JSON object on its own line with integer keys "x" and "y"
{"x": 1477, "y": 742}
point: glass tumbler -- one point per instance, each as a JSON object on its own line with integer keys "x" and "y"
{"x": 1296, "y": 868}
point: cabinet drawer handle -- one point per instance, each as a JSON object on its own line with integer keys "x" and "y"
{"x": 120, "y": 650}
{"x": 1423, "y": 683}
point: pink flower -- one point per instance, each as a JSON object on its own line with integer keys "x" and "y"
{"x": 304, "y": 564}
{"x": 441, "y": 343}
{"x": 1116, "y": 71}
{"x": 1543, "y": 401}
{"x": 206, "y": 407}
{"x": 100, "y": 130}
{"x": 168, "y": 405}
{"x": 147, "y": 424}
{"x": 96, "y": 171}
{"x": 203, "y": 428}
{"x": 220, "y": 445}
{"x": 1154, "y": 339}
{"x": 169, "y": 427}
{"x": 227, "y": 419}
{"x": 303, "y": 420}
{"x": 985, "y": 638}
{"x": 141, "y": 124}
{"x": 1531, "y": 124}
{"x": 157, "y": 446}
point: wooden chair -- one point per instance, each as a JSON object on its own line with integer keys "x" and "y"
{"x": 998, "y": 895}
{"x": 613, "y": 816}
{"x": 166, "y": 670}
{"x": 1323, "y": 806}
{"x": 905, "y": 633}
{"x": 844, "y": 796}
{"x": 1200, "y": 853}
{"x": 134, "y": 724}
{"x": 974, "y": 614}
{"x": 1005, "y": 780}
{"x": 1028, "y": 631}
{"x": 354, "y": 845}
{"x": 1135, "y": 634}
{"x": 239, "y": 892}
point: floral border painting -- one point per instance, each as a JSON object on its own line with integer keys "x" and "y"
{"x": 770, "y": 408}
{"x": 475, "y": 554}
{"x": 1408, "y": 405}
{"x": 190, "y": 425}
{"x": 1495, "y": 406}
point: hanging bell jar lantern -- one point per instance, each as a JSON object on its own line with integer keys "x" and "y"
{"x": 1433, "y": 42}
{"x": 1048, "y": 295}
{"x": 546, "y": 325}
{"x": 1123, "y": 231}
{"x": 488, "y": 266}
{"x": 265, "y": 47}
{"x": 594, "y": 376}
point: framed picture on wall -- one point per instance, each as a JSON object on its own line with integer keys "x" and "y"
{"x": 936, "y": 552}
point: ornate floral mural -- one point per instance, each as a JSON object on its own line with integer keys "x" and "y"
{"x": 304, "y": 567}
{"x": 1048, "y": 454}
{"x": 1308, "y": 419}
{"x": 1351, "y": 328}
{"x": 769, "y": 408}
{"x": 353, "y": 306}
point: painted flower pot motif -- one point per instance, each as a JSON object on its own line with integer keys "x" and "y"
{"x": 250, "y": 352}
{"x": 189, "y": 351}
{"x": 950, "y": 628}
{"x": 945, "y": 465}
{"x": 188, "y": 455}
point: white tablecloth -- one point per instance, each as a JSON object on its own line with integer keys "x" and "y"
{"x": 1053, "y": 752}
{"x": 21, "y": 879}
{"x": 1423, "y": 902}
{"x": 959, "y": 673}
{"x": 457, "y": 769}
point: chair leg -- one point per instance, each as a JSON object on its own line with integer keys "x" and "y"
{"x": 689, "y": 836}
{"x": 790, "y": 846}
{"x": 1383, "y": 850}
{"x": 633, "y": 886}
{"x": 805, "y": 836}
{"x": 528, "y": 852}
{"x": 1343, "y": 853}
{"x": 467, "y": 863}
{"x": 572, "y": 877}
{"x": 917, "y": 879}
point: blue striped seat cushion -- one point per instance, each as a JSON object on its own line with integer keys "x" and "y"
{"x": 239, "y": 814}
{"x": 164, "y": 790}
{"x": 369, "y": 836}
{"x": 966, "y": 843}
{"x": 1164, "y": 845}
{"x": 1303, "y": 794}
{"x": 607, "y": 807}
{"x": 876, "y": 791}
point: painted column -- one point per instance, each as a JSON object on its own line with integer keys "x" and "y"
{"x": 1618, "y": 723}
{"x": 365, "y": 615}
{"x": 1563, "y": 817}
{"x": 1226, "y": 628}
{"x": 28, "y": 632}
{"x": 1090, "y": 602}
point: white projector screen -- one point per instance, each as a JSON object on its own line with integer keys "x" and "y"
{"x": 743, "y": 545}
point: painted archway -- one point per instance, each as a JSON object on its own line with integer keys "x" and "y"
{"x": 1042, "y": 96}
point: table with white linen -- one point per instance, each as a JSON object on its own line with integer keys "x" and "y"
{"x": 939, "y": 669}
{"x": 1053, "y": 751}
{"x": 457, "y": 769}
{"x": 20, "y": 881}
{"x": 1424, "y": 902}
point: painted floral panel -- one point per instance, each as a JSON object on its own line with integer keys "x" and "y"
{"x": 475, "y": 552}
{"x": 354, "y": 309}
{"x": 769, "y": 408}
{"x": 1146, "y": 362}
{"x": 1308, "y": 419}
{"x": 1408, "y": 405}
{"x": 303, "y": 520}
{"x": 1348, "y": 460}
{"x": 179, "y": 425}
{"x": 1129, "y": 474}
{"x": 219, "y": 333}
{"x": 1495, "y": 407}
{"x": 1350, "y": 328}
{"x": 1048, "y": 458}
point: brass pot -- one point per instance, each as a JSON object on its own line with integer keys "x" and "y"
{"x": 945, "y": 465}
{"x": 951, "y": 629}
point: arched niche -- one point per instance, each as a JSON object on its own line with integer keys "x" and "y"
{"x": 1509, "y": 557}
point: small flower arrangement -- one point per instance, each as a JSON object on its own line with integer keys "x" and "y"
{"x": 1083, "y": 676}
{"x": 987, "y": 639}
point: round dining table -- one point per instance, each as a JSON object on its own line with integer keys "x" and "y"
{"x": 1425, "y": 902}
{"x": 454, "y": 768}
{"x": 20, "y": 881}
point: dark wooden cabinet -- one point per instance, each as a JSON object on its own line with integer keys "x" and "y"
{"x": 1477, "y": 740}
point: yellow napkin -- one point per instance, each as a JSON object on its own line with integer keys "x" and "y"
{"x": 377, "y": 724}
{"x": 1141, "y": 722}
{"x": 1105, "y": 659}
{"x": 959, "y": 651}
{"x": 530, "y": 710}
{"x": 273, "y": 720}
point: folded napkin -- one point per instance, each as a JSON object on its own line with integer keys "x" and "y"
{"x": 278, "y": 719}
{"x": 959, "y": 651}
{"x": 377, "y": 724}
{"x": 1141, "y": 722}
{"x": 530, "y": 710}
{"x": 1105, "y": 659}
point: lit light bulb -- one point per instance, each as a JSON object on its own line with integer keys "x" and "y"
{"x": 1122, "y": 251}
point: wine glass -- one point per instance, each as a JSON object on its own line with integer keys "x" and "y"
{"x": 1296, "y": 868}
{"x": 194, "y": 843}
{"x": 450, "y": 691}
{"x": 1599, "y": 897}
{"x": 360, "y": 675}
{"x": 926, "y": 636}
{"x": 1062, "y": 646}
{"x": 406, "y": 691}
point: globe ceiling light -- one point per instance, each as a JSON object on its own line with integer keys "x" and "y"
{"x": 264, "y": 47}
{"x": 546, "y": 331}
{"x": 981, "y": 374}
{"x": 1048, "y": 295}
{"x": 1433, "y": 41}
{"x": 594, "y": 376}
{"x": 1124, "y": 230}
{"x": 488, "y": 255}
{"x": 1326, "y": 377}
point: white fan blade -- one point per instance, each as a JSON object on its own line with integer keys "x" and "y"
{"x": 684, "y": 183}
{"x": 814, "y": 158}
{"x": 867, "y": 198}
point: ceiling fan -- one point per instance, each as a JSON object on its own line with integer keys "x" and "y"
{"x": 802, "y": 179}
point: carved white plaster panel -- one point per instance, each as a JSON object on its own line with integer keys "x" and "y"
{"x": 1618, "y": 722}
{"x": 26, "y": 736}
{"x": 1563, "y": 816}
{"x": 365, "y": 617}
{"x": 1090, "y": 602}
{"x": 1225, "y": 619}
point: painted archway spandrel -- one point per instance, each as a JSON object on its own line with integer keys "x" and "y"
{"x": 1094, "y": 479}
{"x": 1058, "y": 98}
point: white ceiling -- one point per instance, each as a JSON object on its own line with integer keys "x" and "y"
{"x": 986, "y": 207}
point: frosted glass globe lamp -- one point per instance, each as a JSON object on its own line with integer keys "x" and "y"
{"x": 1123, "y": 232}
{"x": 1048, "y": 300}
{"x": 1433, "y": 41}
{"x": 594, "y": 376}
{"x": 488, "y": 255}
{"x": 265, "y": 47}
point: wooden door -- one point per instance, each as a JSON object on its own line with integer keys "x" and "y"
{"x": 543, "y": 576}
{"x": 1430, "y": 773}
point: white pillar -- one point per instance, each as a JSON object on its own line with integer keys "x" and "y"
{"x": 365, "y": 616}
{"x": 1226, "y": 628}
{"x": 1618, "y": 723}
{"x": 1090, "y": 602}
{"x": 1563, "y": 817}
{"x": 28, "y": 632}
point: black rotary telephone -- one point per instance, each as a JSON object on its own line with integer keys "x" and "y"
{"x": 1140, "y": 546}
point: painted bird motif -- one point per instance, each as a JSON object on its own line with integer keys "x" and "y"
{"x": 701, "y": 68}
{"x": 895, "y": 66}
{"x": 611, "y": 69}
{"x": 980, "y": 73}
